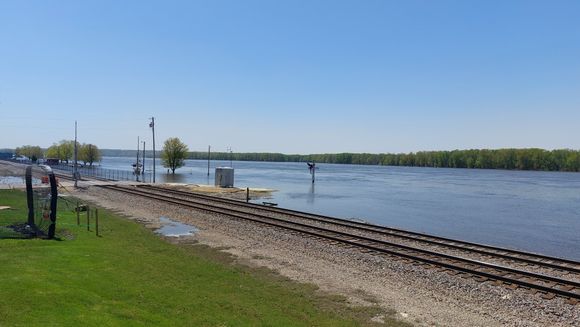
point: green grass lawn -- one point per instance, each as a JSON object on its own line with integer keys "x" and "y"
{"x": 129, "y": 276}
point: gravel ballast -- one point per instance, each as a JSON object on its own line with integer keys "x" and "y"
{"x": 419, "y": 295}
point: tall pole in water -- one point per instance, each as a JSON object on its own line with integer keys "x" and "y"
{"x": 75, "y": 172}
{"x": 208, "y": 156}
{"x": 143, "y": 172}
{"x": 152, "y": 125}
{"x": 313, "y": 171}
{"x": 137, "y": 170}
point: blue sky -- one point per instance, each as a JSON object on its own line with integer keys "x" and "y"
{"x": 292, "y": 76}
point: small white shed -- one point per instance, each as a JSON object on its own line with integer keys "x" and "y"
{"x": 224, "y": 177}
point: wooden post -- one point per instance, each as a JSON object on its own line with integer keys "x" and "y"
{"x": 88, "y": 218}
{"x": 247, "y": 194}
{"x": 97, "y": 222}
{"x": 78, "y": 215}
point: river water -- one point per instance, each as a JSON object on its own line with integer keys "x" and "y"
{"x": 525, "y": 210}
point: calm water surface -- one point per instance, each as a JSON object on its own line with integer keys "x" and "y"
{"x": 532, "y": 211}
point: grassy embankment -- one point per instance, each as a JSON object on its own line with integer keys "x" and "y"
{"x": 129, "y": 276}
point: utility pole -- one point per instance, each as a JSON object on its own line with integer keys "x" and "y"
{"x": 75, "y": 172}
{"x": 137, "y": 170}
{"x": 152, "y": 125}
{"x": 143, "y": 173}
{"x": 208, "y": 156}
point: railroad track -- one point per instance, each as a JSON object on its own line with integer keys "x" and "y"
{"x": 563, "y": 265}
{"x": 549, "y": 285}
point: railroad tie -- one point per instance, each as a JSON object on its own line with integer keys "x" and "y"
{"x": 573, "y": 301}
{"x": 548, "y": 296}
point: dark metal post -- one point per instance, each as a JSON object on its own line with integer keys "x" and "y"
{"x": 247, "y": 194}
{"x": 78, "y": 214}
{"x": 143, "y": 162}
{"x": 97, "y": 222}
{"x": 312, "y": 168}
{"x": 137, "y": 170}
{"x": 29, "y": 196}
{"x": 208, "y": 156}
{"x": 88, "y": 218}
{"x": 313, "y": 171}
{"x": 53, "y": 204}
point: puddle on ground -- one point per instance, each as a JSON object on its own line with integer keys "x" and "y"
{"x": 17, "y": 180}
{"x": 173, "y": 228}
{"x": 11, "y": 180}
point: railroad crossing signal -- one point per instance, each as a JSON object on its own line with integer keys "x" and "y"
{"x": 312, "y": 169}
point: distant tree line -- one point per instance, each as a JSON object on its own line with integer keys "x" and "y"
{"x": 511, "y": 159}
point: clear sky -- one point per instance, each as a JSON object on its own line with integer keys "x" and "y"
{"x": 292, "y": 76}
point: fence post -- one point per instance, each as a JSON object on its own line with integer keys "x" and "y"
{"x": 97, "y": 222}
{"x": 88, "y": 219}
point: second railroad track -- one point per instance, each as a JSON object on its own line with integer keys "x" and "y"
{"x": 549, "y": 276}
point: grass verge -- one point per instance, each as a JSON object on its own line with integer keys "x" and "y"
{"x": 130, "y": 277}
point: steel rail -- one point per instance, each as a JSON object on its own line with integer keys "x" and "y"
{"x": 417, "y": 237}
{"x": 323, "y": 233}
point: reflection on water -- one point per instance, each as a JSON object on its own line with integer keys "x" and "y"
{"x": 529, "y": 210}
{"x": 11, "y": 180}
{"x": 174, "y": 178}
{"x": 311, "y": 195}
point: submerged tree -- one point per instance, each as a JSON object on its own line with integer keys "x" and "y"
{"x": 89, "y": 153}
{"x": 173, "y": 154}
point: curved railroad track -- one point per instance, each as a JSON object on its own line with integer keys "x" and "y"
{"x": 349, "y": 233}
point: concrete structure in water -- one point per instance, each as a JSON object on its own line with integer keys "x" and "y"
{"x": 224, "y": 177}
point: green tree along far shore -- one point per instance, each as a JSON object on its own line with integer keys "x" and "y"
{"x": 64, "y": 150}
{"x": 30, "y": 151}
{"x": 511, "y": 159}
{"x": 173, "y": 154}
